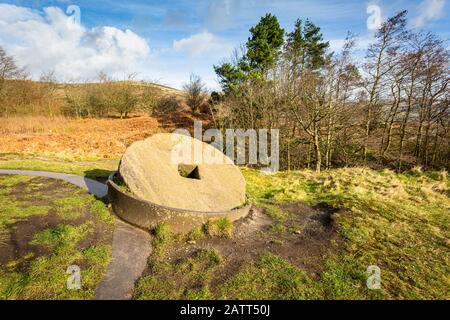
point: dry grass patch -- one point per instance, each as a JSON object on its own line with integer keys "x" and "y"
{"x": 73, "y": 138}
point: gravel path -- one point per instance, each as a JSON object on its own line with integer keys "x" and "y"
{"x": 130, "y": 247}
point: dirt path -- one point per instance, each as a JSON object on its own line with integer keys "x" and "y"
{"x": 131, "y": 246}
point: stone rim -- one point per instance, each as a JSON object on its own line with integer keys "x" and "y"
{"x": 150, "y": 214}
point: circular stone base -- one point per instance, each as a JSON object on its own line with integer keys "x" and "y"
{"x": 148, "y": 215}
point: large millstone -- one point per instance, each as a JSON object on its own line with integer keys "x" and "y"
{"x": 161, "y": 169}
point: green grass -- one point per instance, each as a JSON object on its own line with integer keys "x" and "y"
{"x": 162, "y": 234}
{"x": 70, "y": 207}
{"x": 271, "y": 277}
{"x": 399, "y": 222}
{"x": 62, "y": 237}
{"x": 44, "y": 276}
{"x": 90, "y": 168}
{"x": 196, "y": 234}
{"x": 74, "y": 204}
{"x": 188, "y": 279}
{"x": 13, "y": 210}
{"x": 279, "y": 228}
{"x": 219, "y": 228}
{"x": 100, "y": 211}
{"x": 275, "y": 212}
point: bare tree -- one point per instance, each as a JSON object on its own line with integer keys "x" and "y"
{"x": 389, "y": 38}
{"x": 195, "y": 92}
{"x": 344, "y": 78}
{"x": 8, "y": 68}
{"x": 8, "y": 71}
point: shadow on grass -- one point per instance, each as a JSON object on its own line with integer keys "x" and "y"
{"x": 100, "y": 176}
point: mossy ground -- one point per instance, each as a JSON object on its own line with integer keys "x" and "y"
{"x": 399, "y": 222}
{"x": 46, "y": 226}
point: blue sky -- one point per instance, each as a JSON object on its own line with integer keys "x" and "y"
{"x": 167, "y": 40}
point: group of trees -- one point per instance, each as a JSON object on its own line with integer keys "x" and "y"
{"x": 391, "y": 109}
{"x": 104, "y": 97}
{"x": 14, "y": 89}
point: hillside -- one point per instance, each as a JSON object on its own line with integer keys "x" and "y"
{"x": 138, "y": 86}
{"x": 90, "y": 99}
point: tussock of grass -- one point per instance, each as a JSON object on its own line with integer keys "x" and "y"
{"x": 162, "y": 234}
{"x": 196, "y": 234}
{"x": 219, "y": 228}
{"x": 279, "y": 228}
{"x": 222, "y": 228}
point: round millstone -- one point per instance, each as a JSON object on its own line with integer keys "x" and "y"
{"x": 179, "y": 171}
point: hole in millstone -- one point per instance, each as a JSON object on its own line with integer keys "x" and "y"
{"x": 189, "y": 171}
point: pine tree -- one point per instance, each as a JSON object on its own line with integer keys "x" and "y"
{"x": 265, "y": 43}
{"x": 262, "y": 51}
{"x": 305, "y": 47}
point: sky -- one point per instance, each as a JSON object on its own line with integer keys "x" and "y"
{"x": 166, "y": 41}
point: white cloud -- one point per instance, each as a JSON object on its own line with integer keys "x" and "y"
{"x": 201, "y": 43}
{"x": 51, "y": 40}
{"x": 11, "y": 13}
{"x": 429, "y": 10}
